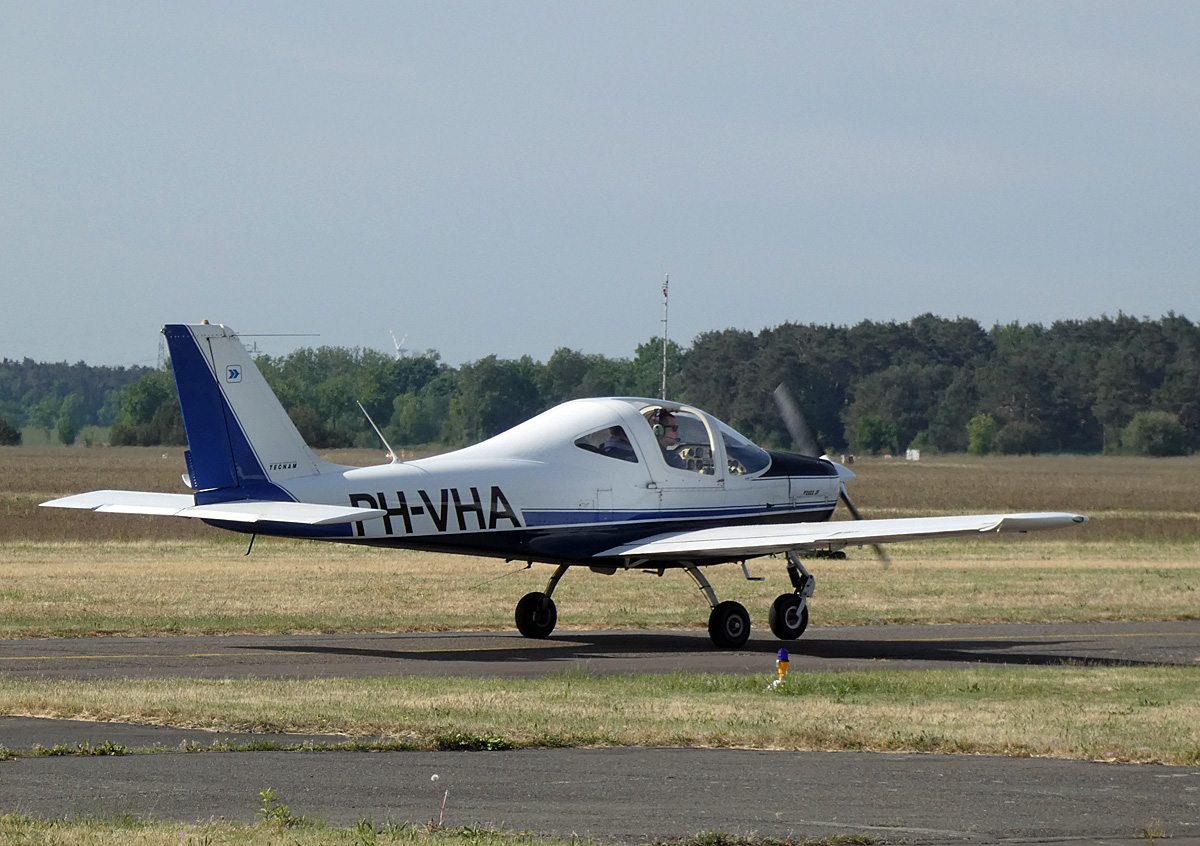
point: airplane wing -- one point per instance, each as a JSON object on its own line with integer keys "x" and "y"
{"x": 242, "y": 511}
{"x": 735, "y": 541}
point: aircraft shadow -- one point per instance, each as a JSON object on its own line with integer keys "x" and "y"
{"x": 667, "y": 651}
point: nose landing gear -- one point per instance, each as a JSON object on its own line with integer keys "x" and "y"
{"x": 536, "y": 612}
{"x": 789, "y": 612}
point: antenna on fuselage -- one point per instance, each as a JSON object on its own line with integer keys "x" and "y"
{"x": 392, "y": 454}
{"x": 666, "y": 282}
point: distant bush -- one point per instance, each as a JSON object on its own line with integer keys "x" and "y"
{"x": 981, "y": 435}
{"x": 9, "y": 434}
{"x": 1157, "y": 433}
{"x": 1019, "y": 438}
{"x": 150, "y": 413}
{"x": 875, "y": 435}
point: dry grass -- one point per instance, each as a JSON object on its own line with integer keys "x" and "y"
{"x": 1127, "y": 498}
{"x": 29, "y": 475}
{"x": 211, "y": 587}
{"x": 72, "y": 573}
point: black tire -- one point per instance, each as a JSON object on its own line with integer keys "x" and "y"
{"x": 729, "y": 625}
{"x": 789, "y": 616}
{"x": 536, "y": 615}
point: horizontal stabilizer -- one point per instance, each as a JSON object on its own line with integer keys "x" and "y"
{"x": 780, "y": 537}
{"x": 240, "y": 511}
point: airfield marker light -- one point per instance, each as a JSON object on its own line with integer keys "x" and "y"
{"x": 781, "y": 666}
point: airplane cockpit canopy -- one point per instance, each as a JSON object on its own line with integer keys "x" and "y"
{"x": 632, "y": 430}
{"x": 691, "y": 445}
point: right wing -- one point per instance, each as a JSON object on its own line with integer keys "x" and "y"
{"x": 241, "y": 511}
{"x": 726, "y": 541}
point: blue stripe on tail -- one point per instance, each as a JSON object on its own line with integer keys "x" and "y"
{"x": 222, "y": 464}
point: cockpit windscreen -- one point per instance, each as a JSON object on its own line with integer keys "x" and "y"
{"x": 741, "y": 452}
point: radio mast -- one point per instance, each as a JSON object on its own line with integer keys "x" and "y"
{"x": 666, "y": 282}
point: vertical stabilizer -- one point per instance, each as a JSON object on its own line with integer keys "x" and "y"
{"x": 239, "y": 436}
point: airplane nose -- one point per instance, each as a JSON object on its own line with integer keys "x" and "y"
{"x": 844, "y": 472}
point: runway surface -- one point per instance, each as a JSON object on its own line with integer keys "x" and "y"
{"x": 611, "y": 795}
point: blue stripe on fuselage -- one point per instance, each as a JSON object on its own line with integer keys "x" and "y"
{"x": 546, "y": 517}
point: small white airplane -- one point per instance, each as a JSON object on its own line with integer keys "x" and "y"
{"x": 609, "y": 484}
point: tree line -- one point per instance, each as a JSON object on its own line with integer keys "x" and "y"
{"x": 61, "y": 398}
{"x": 1099, "y": 385}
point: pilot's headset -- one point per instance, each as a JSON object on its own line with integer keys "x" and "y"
{"x": 657, "y": 426}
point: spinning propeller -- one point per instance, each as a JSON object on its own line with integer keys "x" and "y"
{"x": 807, "y": 444}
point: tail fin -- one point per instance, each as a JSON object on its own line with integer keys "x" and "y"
{"x": 238, "y": 434}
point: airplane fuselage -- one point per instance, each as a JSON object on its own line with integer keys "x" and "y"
{"x": 566, "y": 503}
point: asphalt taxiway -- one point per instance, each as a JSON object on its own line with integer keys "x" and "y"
{"x": 611, "y": 795}
{"x": 508, "y": 655}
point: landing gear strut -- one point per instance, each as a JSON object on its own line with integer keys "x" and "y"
{"x": 536, "y": 612}
{"x": 789, "y": 612}
{"x": 729, "y": 622}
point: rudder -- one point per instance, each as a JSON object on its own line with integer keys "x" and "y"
{"x": 239, "y": 436}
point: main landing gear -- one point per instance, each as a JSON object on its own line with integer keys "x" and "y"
{"x": 728, "y": 622}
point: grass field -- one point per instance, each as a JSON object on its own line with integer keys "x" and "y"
{"x": 75, "y": 573}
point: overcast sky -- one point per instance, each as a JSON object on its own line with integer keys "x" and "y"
{"x": 515, "y": 177}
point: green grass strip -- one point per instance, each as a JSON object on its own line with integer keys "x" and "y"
{"x": 1096, "y": 713}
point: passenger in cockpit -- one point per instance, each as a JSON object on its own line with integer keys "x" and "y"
{"x": 617, "y": 445}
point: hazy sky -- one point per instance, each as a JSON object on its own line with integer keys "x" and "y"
{"x": 515, "y": 177}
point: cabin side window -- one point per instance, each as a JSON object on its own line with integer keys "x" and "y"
{"x": 612, "y": 442}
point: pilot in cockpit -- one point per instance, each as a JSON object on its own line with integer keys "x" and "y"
{"x": 666, "y": 429}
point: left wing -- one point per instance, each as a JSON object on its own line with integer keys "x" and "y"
{"x": 750, "y": 541}
{"x": 240, "y": 511}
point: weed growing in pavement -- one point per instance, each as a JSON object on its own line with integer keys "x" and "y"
{"x": 85, "y": 749}
{"x": 272, "y": 810}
